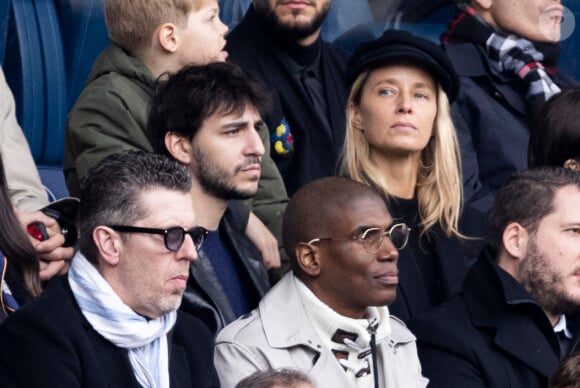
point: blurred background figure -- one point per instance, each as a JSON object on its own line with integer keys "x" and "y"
{"x": 555, "y": 136}
{"x": 568, "y": 374}
{"x": 18, "y": 259}
{"x": 276, "y": 378}
{"x": 26, "y": 193}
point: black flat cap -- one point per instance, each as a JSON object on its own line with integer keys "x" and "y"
{"x": 401, "y": 46}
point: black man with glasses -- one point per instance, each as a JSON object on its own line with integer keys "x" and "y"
{"x": 329, "y": 316}
{"x": 113, "y": 321}
{"x": 207, "y": 117}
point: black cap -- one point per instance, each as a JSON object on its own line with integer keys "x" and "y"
{"x": 398, "y": 45}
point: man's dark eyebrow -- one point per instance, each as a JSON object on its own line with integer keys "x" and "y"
{"x": 242, "y": 123}
{"x": 259, "y": 123}
{"x": 234, "y": 124}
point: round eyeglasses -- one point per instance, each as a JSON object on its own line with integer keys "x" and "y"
{"x": 373, "y": 238}
{"x": 172, "y": 237}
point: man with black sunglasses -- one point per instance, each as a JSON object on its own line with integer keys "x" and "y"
{"x": 328, "y": 317}
{"x": 113, "y": 320}
{"x": 208, "y": 117}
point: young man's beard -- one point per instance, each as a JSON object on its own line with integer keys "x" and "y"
{"x": 290, "y": 33}
{"x": 545, "y": 286}
{"x": 215, "y": 180}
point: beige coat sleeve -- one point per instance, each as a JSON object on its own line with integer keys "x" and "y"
{"x": 24, "y": 186}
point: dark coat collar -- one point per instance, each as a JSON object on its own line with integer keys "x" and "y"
{"x": 412, "y": 298}
{"x": 454, "y": 256}
{"x": 115, "y": 360}
{"x": 496, "y": 301}
{"x": 471, "y": 61}
{"x": 204, "y": 296}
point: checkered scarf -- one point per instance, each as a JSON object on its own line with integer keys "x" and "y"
{"x": 509, "y": 55}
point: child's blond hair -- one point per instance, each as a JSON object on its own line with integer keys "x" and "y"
{"x": 131, "y": 23}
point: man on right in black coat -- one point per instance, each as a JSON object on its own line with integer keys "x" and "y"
{"x": 518, "y": 314}
{"x": 506, "y": 55}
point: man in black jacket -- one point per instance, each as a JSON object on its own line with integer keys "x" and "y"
{"x": 208, "y": 117}
{"x": 279, "y": 43}
{"x": 506, "y": 55}
{"x": 113, "y": 321}
{"x": 518, "y": 316}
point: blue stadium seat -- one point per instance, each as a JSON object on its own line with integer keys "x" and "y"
{"x": 570, "y": 47}
{"x": 344, "y": 15}
{"x": 84, "y": 36}
{"x": 55, "y": 82}
{"x": 35, "y": 71}
{"x": 232, "y": 11}
{"x": 350, "y": 39}
{"x": 52, "y": 178}
{"x": 24, "y": 69}
{"x": 443, "y": 14}
{"x": 4, "y": 21}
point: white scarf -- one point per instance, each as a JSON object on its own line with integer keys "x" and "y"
{"x": 355, "y": 354}
{"x": 119, "y": 324}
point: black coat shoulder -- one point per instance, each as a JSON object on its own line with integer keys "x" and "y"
{"x": 51, "y": 344}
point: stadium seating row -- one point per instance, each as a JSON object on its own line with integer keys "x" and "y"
{"x": 47, "y": 48}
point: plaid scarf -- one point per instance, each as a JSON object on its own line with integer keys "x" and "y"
{"x": 509, "y": 55}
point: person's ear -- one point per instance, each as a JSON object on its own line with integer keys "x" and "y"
{"x": 179, "y": 147}
{"x": 515, "y": 240}
{"x": 355, "y": 118}
{"x": 514, "y": 250}
{"x": 168, "y": 37}
{"x": 307, "y": 256}
{"x": 572, "y": 164}
{"x": 108, "y": 243}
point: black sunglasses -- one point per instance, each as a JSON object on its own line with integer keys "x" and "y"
{"x": 173, "y": 237}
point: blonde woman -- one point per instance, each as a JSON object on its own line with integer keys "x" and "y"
{"x": 400, "y": 139}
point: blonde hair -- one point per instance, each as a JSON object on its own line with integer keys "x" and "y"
{"x": 439, "y": 184}
{"x": 131, "y": 23}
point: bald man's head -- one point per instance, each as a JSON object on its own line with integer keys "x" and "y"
{"x": 316, "y": 208}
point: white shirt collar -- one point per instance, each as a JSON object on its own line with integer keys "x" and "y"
{"x": 562, "y": 326}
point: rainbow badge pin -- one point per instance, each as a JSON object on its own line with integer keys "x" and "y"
{"x": 282, "y": 139}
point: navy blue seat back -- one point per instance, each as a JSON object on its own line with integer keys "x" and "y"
{"x": 4, "y": 21}
{"x": 344, "y": 15}
{"x": 52, "y": 178}
{"x": 84, "y": 36}
{"x": 34, "y": 67}
{"x": 232, "y": 11}
{"x": 352, "y": 38}
{"x": 24, "y": 69}
{"x": 570, "y": 47}
{"x": 55, "y": 82}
